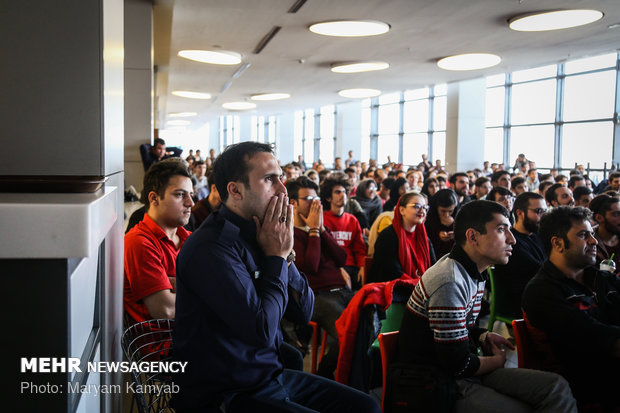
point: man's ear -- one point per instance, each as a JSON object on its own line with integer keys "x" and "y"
{"x": 471, "y": 235}
{"x": 520, "y": 214}
{"x": 235, "y": 190}
{"x": 599, "y": 218}
{"x": 557, "y": 243}
{"x": 153, "y": 198}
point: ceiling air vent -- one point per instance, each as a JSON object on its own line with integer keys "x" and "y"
{"x": 261, "y": 45}
{"x": 295, "y": 7}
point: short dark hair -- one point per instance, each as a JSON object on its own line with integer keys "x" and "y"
{"x": 545, "y": 177}
{"x": 456, "y": 175}
{"x": 550, "y": 195}
{"x": 294, "y": 185}
{"x": 498, "y": 190}
{"x": 198, "y": 163}
{"x": 158, "y": 141}
{"x": 440, "y": 178}
{"x": 232, "y": 165}
{"x": 517, "y": 180}
{"x": 388, "y": 183}
{"x": 327, "y": 187}
{"x": 476, "y": 214}
{"x": 602, "y": 203}
{"x": 543, "y": 185}
{"x": 558, "y": 222}
{"x": 522, "y": 203}
{"x": 498, "y": 174}
{"x": 580, "y": 191}
{"x": 560, "y": 177}
{"x": 573, "y": 179}
{"x": 613, "y": 175}
{"x": 349, "y": 169}
{"x": 158, "y": 175}
{"x": 481, "y": 181}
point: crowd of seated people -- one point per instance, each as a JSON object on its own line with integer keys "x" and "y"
{"x": 404, "y": 218}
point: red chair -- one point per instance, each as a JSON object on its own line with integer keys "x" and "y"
{"x": 387, "y": 345}
{"x": 525, "y": 357}
{"x": 315, "y": 342}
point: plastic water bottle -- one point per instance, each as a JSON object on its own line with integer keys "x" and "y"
{"x": 608, "y": 265}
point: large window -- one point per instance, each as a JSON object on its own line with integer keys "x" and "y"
{"x": 558, "y": 115}
{"x": 410, "y": 124}
{"x": 326, "y": 135}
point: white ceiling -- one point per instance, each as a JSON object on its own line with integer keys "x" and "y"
{"x": 297, "y": 61}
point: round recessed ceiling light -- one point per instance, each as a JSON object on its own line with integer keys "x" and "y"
{"x": 191, "y": 95}
{"x": 359, "y": 93}
{"x": 219, "y": 57}
{"x": 178, "y": 122}
{"x": 270, "y": 96}
{"x": 358, "y": 67}
{"x": 350, "y": 28}
{"x": 554, "y": 20}
{"x": 469, "y": 61}
{"x": 182, "y": 114}
{"x": 239, "y": 105}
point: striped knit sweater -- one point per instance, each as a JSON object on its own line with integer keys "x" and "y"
{"x": 440, "y": 325}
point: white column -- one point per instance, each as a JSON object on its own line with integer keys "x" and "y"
{"x": 138, "y": 86}
{"x": 465, "y": 125}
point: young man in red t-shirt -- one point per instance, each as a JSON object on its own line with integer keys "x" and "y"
{"x": 151, "y": 247}
{"x": 344, "y": 227}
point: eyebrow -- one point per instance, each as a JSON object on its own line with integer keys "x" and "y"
{"x": 503, "y": 225}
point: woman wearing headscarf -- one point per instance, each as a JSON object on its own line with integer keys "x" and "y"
{"x": 366, "y": 196}
{"x": 403, "y": 250}
{"x": 440, "y": 221}
{"x": 400, "y": 187}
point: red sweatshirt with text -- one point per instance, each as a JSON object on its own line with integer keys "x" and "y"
{"x": 347, "y": 232}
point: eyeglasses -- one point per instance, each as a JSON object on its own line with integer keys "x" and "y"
{"x": 538, "y": 211}
{"x": 506, "y": 198}
{"x": 309, "y": 198}
{"x": 419, "y": 207}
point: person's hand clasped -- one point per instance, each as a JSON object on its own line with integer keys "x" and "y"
{"x": 275, "y": 233}
{"x": 493, "y": 346}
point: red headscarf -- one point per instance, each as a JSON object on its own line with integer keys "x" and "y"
{"x": 414, "y": 256}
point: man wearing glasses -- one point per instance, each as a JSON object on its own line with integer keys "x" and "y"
{"x": 527, "y": 257}
{"x": 322, "y": 260}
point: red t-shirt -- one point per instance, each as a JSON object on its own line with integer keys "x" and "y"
{"x": 348, "y": 234}
{"x": 150, "y": 258}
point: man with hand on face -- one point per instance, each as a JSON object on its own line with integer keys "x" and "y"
{"x": 236, "y": 281}
{"x": 151, "y": 246}
{"x": 573, "y": 310}
{"x": 439, "y": 329}
{"x": 321, "y": 259}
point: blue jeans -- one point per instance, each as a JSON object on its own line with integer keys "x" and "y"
{"x": 295, "y": 391}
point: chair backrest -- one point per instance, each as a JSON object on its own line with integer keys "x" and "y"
{"x": 387, "y": 345}
{"x": 150, "y": 341}
{"x": 523, "y": 344}
{"x": 497, "y": 295}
